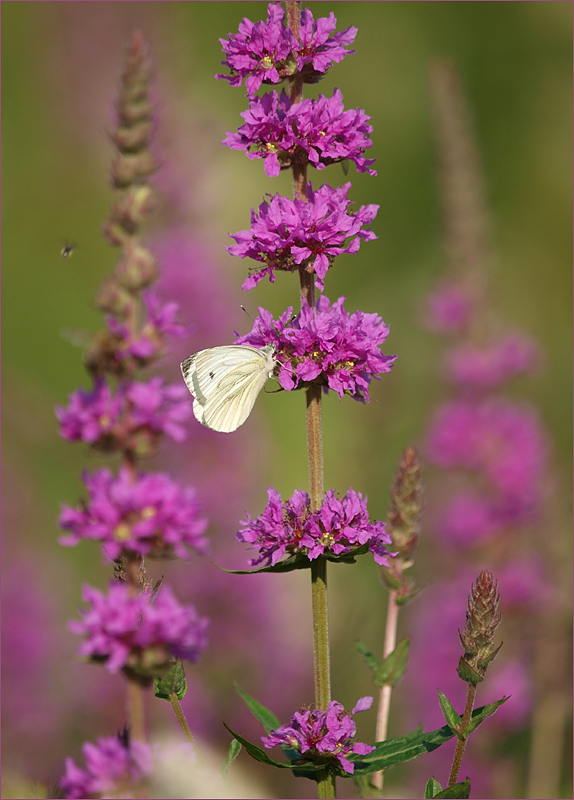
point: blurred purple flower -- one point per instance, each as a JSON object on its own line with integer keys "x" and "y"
{"x": 475, "y": 367}
{"x": 500, "y": 440}
{"x": 291, "y": 527}
{"x": 323, "y": 735}
{"x": 338, "y": 350}
{"x": 448, "y": 309}
{"x": 150, "y": 342}
{"x": 126, "y": 630}
{"x": 137, "y": 410}
{"x": 317, "y": 132}
{"x": 152, "y": 515}
{"x": 113, "y": 769}
{"x": 267, "y": 52}
{"x": 294, "y": 234}
{"x": 90, "y": 415}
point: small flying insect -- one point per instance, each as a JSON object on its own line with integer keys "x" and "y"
{"x": 67, "y": 250}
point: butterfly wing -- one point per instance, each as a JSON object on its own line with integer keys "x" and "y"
{"x": 225, "y": 382}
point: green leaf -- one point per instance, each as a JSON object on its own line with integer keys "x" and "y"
{"x": 260, "y": 755}
{"x": 467, "y": 674}
{"x": 263, "y": 715}
{"x": 432, "y": 788}
{"x": 480, "y": 714}
{"x": 393, "y": 667}
{"x": 453, "y": 720}
{"x": 300, "y": 561}
{"x": 366, "y": 788}
{"x": 372, "y": 662}
{"x": 400, "y": 749}
{"x": 458, "y": 790}
{"x": 232, "y": 753}
{"x": 172, "y": 682}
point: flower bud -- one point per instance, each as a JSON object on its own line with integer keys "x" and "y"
{"x": 133, "y": 207}
{"x": 132, "y": 167}
{"x": 482, "y": 620}
{"x": 133, "y": 137}
{"x": 113, "y": 298}
{"x": 137, "y": 269}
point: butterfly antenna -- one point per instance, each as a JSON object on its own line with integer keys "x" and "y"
{"x": 247, "y": 312}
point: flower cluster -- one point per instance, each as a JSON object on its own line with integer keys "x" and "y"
{"x": 449, "y": 309}
{"x": 317, "y": 132}
{"x": 505, "y": 445}
{"x": 134, "y": 418}
{"x": 152, "y": 515}
{"x": 268, "y": 52}
{"x": 339, "y": 526}
{"x": 114, "y": 768}
{"x": 474, "y": 367}
{"x": 323, "y": 736}
{"x": 325, "y": 344}
{"x": 294, "y": 234}
{"x": 139, "y": 633}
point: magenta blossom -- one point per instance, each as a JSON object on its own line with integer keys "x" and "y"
{"x": 114, "y": 768}
{"x": 500, "y": 441}
{"x": 323, "y": 735}
{"x": 294, "y": 234}
{"x": 151, "y": 515}
{"x": 338, "y": 350}
{"x": 317, "y": 132}
{"x": 267, "y": 52}
{"x": 448, "y": 309}
{"x": 139, "y": 632}
{"x": 339, "y": 526}
{"x": 150, "y": 342}
{"x": 134, "y": 418}
{"x": 486, "y": 367}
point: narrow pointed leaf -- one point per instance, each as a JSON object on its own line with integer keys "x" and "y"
{"x": 299, "y": 561}
{"x": 483, "y": 713}
{"x": 263, "y": 715}
{"x": 458, "y": 790}
{"x": 432, "y": 788}
{"x": 232, "y": 753}
{"x": 173, "y": 682}
{"x": 372, "y": 662}
{"x": 400, "y": 749}
{"x": 453, "y": 720}
{"x": 260, "y": 755}
{"x": 393, "y": 667}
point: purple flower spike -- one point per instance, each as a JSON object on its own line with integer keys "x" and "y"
{"x": 317, "y": 132}
{"x": 338, "y": 350}
{"x": 267, "y": 52}
{"x": 112, "y": 768}
{"x": 323, "y": 735}
{"x": 339, "y": 526}
{"x": 152, "y": 515}
{"x": 138, "y": 632}
{"x": 487, "y": 367}
{"x": 293, "y": 234}
{"x": 90, "y": 416}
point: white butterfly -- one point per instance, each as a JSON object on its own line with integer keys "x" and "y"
{"x": 225, "y": 382}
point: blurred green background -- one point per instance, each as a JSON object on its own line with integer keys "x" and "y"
{"x": 61, "y": 63}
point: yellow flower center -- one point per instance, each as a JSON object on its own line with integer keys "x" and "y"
{"x": 122, "y": 532}
{"x": 147, "y": 512}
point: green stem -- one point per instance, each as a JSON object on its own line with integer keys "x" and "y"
{"x": 461, "y": 743}
{"x": 386, "y": 690}
{"x": 178, "y": 711}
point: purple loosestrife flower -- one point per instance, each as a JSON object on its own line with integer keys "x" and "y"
{"x": 323, "y": 735}
{"x": 291, "y": 527}
{"x": 134, "y": 418}
{"x": 294, "y": 234}
{"x": 317, "y": 132}
{"x": 500, "y": 440}
{"x": 267, "y": 52}
{"x": 150, "y": 342}
{"x": 139, "y": 633}
{"x": 338, "y": 350}
{"x": 151, "y": 516}
{"x": 113, "y": 769}
{"x": 448, "y": 309}
{"x": 474, "y": 367}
